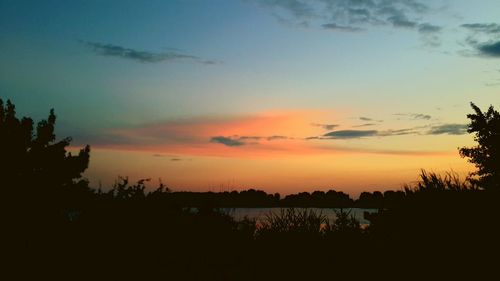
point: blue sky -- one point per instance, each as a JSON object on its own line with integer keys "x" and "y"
{"x": 113, "y": 68}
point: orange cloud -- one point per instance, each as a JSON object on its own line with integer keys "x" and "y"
{"x": 266, "y": 134}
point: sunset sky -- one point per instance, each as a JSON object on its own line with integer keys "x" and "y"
{"x": 283, "y": 96}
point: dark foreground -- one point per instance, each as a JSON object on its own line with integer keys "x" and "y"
{"x": 430, "y": 233}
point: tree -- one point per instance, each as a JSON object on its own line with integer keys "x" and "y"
{"x": 35, "y": 162}
{"x": 486, "y": 155}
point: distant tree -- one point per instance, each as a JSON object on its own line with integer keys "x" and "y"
{"x": 34, "y": 159}
{"x": 486, "y": 155}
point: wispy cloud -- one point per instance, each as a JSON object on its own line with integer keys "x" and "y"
{"x": 141, "y": 56}
{"x": 356, "y": 134}
{"x": 365, "y": 125}
{"x": 271, "y": 138}
{"x": 227, "y": 141}
{"x": 415, "y": 116}
{"x": 244, "y": 140}
{"x": 350, "y": 134}
{"x": 336, "y": 27}
{"x": 326, "y": 126}
{"x": 368, "y": 119}
{"x": 449, "y": 129}
{"x": 428, "y": 28}
{"x": 484, "y": 38}
{"x": 356, "y": 15}
{"x": 491, "y": 28}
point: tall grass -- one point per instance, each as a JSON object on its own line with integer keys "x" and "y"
{"x": 291, "y": 220}
{"x": 432, "y": 182}
{"x": 307, "y": 222}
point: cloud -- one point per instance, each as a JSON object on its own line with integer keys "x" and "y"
{"x": 336, "y": 27}
{"x": 489, "y": 49}
{"x": 355, "y": 134}
{"x": 326, "y": 126}
{"x": 450, "y": 129}
{"x": 175, "y": 159}
{"x": 420, "y": 116}
{"x": 244, "y": 140}
{"x": 254, "y": 138}
{"x": 271, "y": 138}
{"x": 428, "y": 28}
{"x": 367, "y": 119}
{"x": 429, "y": 34}
{"x": 350, "y": 134}
{"x": 399, "y": 132}
{"x": 354, "y": 15}
{"x": 484, "y": 39}
{"x": 227, "y": 141}
{"x": 365, "y": 125}
{"x": 141, "y": 56}
{"x": 415, "y": 116}
{"x": 401, "y": 20}
{"x": 297, "y": 8}
{"x": 491, "y": 28}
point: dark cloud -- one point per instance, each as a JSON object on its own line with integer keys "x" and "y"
{"x": 489, "y": 49}
{"x": 415, "y": 116}
{"x": 450, "y": 129}
{"x": 350, "y": 134}
{"x": 298, "y": 8}
{"x": 271, "y": 138}
{"x": 428, "y": 28}
{"x": 326, "y": 126}
{"x": 175, "y": 159}
{"x": 355, "y": 134}
{"x": 355, "y": 15}
{"x": 491, "y": 28}
{"x": 421, "y": 116}
{"x": 141, "y": 56}
{"x": 254, "y": 138}
{"x": 399, "y": 132}
{"x": 336, "y": 27}
{"x": 227, "y": 141}
{"x": 367, "y": 119}
{"x": 244, "y": 140}
{"x": 484, "y": 39}
{"x": 365, "y": 125}
{"x": 401, "y": 21}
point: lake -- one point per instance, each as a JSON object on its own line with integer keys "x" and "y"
{"x": 260, "y": 213}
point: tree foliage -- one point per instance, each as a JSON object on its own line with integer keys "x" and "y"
{"x": 485, "y": 155}
{"x": 32, "y": 157}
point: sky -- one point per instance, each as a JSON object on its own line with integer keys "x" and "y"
{"x": 279, "y": 95}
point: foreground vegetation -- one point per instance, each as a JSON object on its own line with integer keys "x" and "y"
{"x": 54, "y": 225}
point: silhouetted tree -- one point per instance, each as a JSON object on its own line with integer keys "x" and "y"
{"x": 486, "y": 155}
{"x": 43, "y": 182}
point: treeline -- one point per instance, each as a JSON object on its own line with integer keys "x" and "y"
{"x": 253, "y": 198}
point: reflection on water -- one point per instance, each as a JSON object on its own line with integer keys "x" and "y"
{"x": 260, "y": 213}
